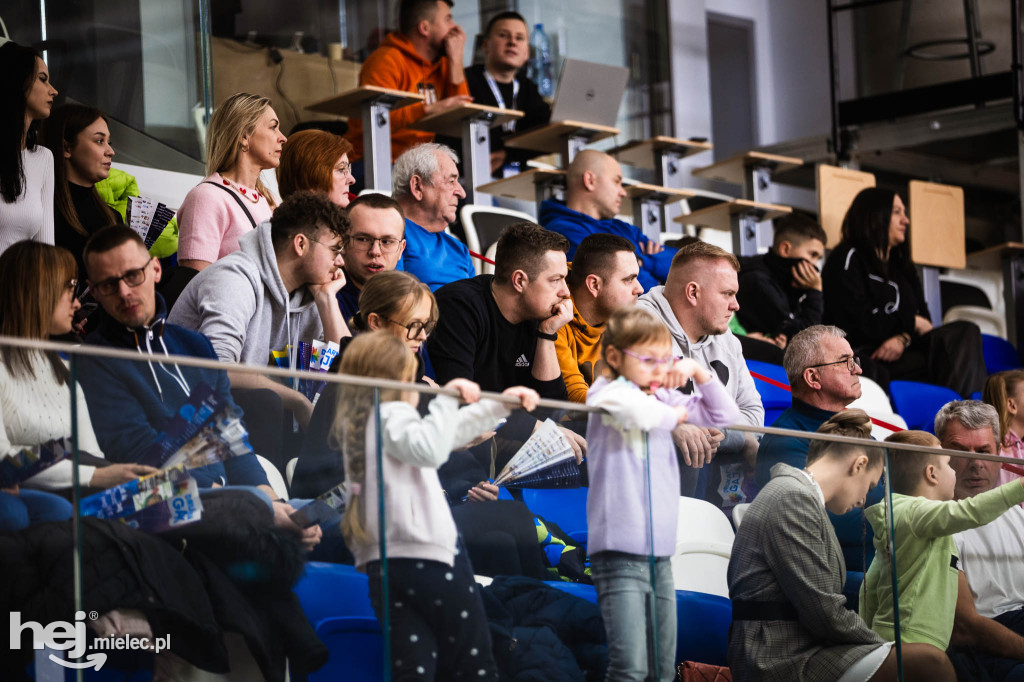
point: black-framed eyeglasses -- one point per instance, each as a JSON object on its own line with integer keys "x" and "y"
{"x": 850, "y": 362}
{"x": 362, "y": 242}
{"x": 337, "y": 249}
{"x": 132, "y": 278}
{"x": 414, "y": 329}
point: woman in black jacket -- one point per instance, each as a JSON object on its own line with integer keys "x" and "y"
{"x": 872, "y": 291}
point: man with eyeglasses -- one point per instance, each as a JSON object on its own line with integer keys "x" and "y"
{"x": 426, "y": 185}
{"x": 375, "y": 242}
{"x": 132, "y": 400}
{"x": 278, "y": 289}
{"x": 824, "y": 376}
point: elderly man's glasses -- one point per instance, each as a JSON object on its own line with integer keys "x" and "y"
{"x": 362, "y": 242}
{"x": 132, "y": 278}
{"x": 850, "y": 363}
{"x": 415, "y": 329}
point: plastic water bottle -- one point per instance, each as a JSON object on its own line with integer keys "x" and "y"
{"x": 539, "y": 70}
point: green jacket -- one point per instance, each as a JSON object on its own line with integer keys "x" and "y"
{"x": 116, "y": 189}
{"x": 926, "y": 561}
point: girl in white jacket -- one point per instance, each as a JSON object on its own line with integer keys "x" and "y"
{"x": 438, "y": 626}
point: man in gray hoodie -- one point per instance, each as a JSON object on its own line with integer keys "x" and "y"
{"x": 696, "y": 304}
{"x": 278, "y": 289}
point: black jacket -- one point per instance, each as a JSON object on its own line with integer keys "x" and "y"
{"x": 769, "y": 303}
{"x": 536, "y": 111}
{"x": 179, "y": 580}
{"x": 869, "y": 302}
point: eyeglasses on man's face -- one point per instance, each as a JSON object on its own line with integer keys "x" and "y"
{"x": 362, "y": 242}
{"x": 851, "y": 363}
{"x": 132, "y": 278}
{"x": 335, "y": 249}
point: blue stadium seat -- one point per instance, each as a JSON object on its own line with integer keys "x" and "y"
{"x": 702, "y": 621}
{"x": 1000, "y": 355}
{"x": 566, "y": 507}
{"x": 357, "y": 650}
{"x": 918, "y": 403}
{"x": 333, "y": 590}
{"x": 775, "y": 400}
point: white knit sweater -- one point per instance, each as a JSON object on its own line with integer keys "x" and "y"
{"x": 33, "y": 411}
{"x": 31, "y": 214}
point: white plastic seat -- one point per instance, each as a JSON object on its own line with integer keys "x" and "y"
{"x": 703, "y": 545}
{"x": 482, "y": 226}
{"x": 880, "y": 432}
{"x": 274, "y": 477}
{"x": 989, "y": 321}
{"x": 371, "y": 190}
{"x": 289, "y": 470}
{"x": 872, "y": 398}
{"x": 738, "y": 512}
{"x": 487, "y": 268}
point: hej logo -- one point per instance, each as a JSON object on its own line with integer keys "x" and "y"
{"x": 59, "y": 635}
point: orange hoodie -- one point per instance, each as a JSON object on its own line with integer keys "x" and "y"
{"x": 396, "y": 65}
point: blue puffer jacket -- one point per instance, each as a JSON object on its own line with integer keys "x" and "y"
{"x": 131, "y": 400}
{"x": 557, "y": 217}
{"x": 541, "y": 634}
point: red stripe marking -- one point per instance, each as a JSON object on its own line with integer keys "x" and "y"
{"x": 485, "y": 259}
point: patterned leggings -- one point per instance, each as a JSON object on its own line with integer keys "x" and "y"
{"x": 438, "y": 625}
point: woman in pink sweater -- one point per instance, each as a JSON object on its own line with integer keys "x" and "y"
{"x": 244, "y": 138}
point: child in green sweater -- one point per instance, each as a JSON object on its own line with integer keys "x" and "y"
{"x": 924, "y": 519}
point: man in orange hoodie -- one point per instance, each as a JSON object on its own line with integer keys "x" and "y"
{"x": 424, "y": 56}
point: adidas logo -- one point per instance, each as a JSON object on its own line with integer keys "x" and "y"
{"x": 521, "y": 361}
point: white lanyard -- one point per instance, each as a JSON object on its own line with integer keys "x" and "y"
{"x": 511, "y": 125}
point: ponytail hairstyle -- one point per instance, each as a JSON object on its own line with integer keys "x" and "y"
{"x": 379, "y": 355}
{"x": 390, "y": 294}
{"x": 60, "y": 134}
{"x": 998, "y": 389}
{"x": 851, "y": 423}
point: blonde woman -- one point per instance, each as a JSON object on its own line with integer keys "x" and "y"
{"x": 244, "y": 138}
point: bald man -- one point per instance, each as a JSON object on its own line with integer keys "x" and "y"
{"x": 593, "y": 197}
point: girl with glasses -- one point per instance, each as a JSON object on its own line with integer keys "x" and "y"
{"x": 633, "y": 502}
{"x": 37, "y": 289}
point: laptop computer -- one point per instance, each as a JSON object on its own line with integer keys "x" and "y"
{"x": 589, "y": 92}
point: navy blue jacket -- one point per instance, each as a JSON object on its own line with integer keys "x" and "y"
{"x": 557, "y": 217}
{"x": 855, "y": 538}
{"x": 131, "y": 400}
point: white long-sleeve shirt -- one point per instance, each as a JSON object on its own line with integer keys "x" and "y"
{"x": 35, "y": 410}
{"x": 30, "y": 216}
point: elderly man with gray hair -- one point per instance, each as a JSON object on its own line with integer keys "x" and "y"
{"x": 426, "y": 186}
{"x": 824, "y": 376}
{"x": 988, "y": 632}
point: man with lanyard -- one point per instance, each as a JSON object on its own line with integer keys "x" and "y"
{"x": 495, "y": 83}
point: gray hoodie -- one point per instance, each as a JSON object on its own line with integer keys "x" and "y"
{"x": 241, "y": 305}
{"x": 723, "y": 349}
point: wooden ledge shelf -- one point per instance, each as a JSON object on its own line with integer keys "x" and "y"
{"x": 523, "y": 185}
{"x": 350, "y": 103}
{"x": 644, "y": 153}
{"x": 550, "y": 138}
{"x": 720, "y": 216}
{"x": 641, "y": 191}
{"x": 450, "y": 122}
{"x": 736, "y": 169}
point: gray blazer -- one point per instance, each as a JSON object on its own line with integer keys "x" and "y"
{"x": 787, "y": 551}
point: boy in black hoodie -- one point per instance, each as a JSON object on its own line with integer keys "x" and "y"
{"x": 780, "y": 292}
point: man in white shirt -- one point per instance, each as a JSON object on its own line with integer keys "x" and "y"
{"x": 988, "y": 633}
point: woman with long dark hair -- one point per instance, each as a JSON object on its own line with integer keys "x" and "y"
{"x": 872, "y": 292}
{"x": 79, "y": 139}
{"x": 26, "y": 169}
{"x": 37, "y": 284}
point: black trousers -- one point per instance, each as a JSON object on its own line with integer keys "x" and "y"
{"x": 438, "y": 625}
{"x": 949, "y": 355}
{"x": 975, "y": 665}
